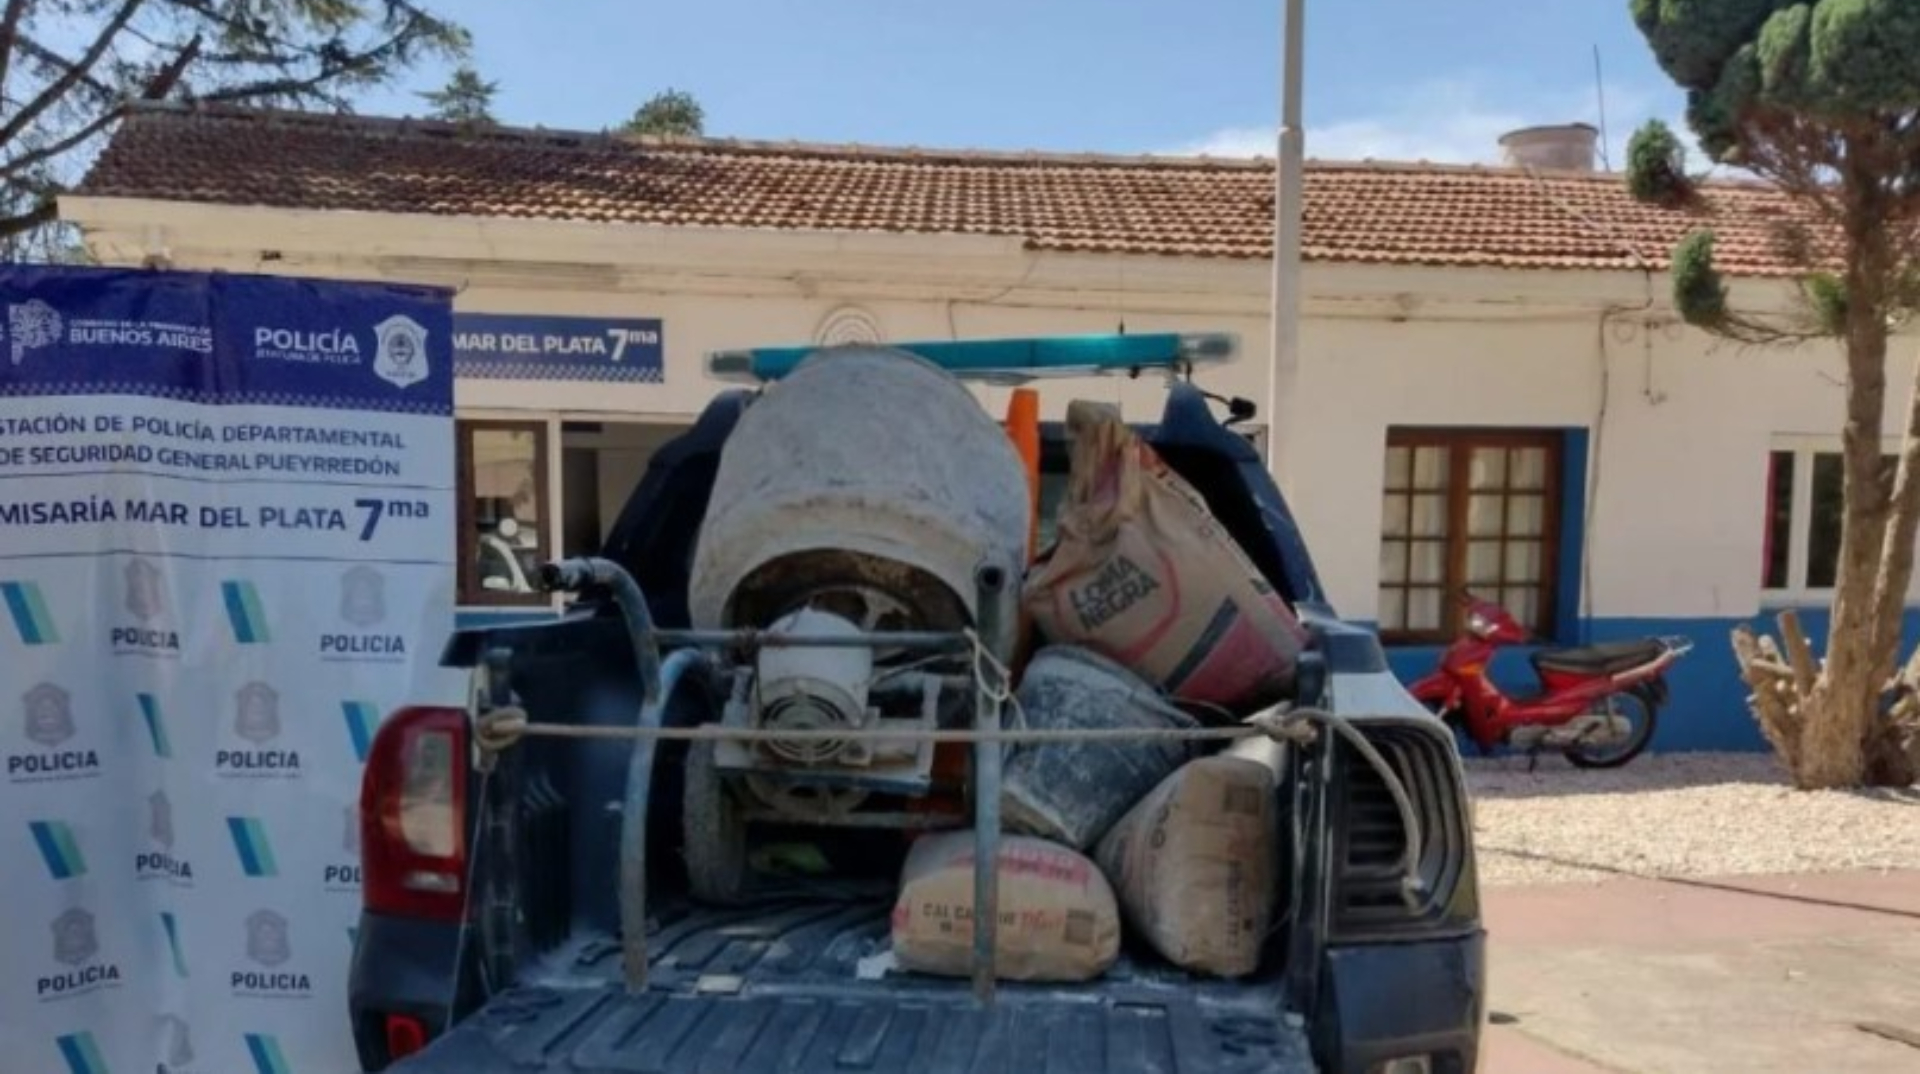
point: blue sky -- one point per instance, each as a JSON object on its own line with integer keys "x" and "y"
{"x": 1395, "y": 79}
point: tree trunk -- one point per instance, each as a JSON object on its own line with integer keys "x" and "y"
{"x": 1840, "y": 712}
{"x": 1889, "y": 755}
{"x": 1893, "y": 758}
{"x": 1903, "y": 526}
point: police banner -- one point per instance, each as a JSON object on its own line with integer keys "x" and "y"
{"x": 226, "y": 549}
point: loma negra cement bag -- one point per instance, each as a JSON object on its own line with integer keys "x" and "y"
{"x": 1142, "y": 573}
{"x": 1195, "y": 864}
{"x": 1058, "y": 918}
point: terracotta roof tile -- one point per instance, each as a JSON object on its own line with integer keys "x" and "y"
{"x": 1370, "y": 212}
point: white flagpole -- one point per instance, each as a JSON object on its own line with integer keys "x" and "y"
{"x": 1283, "y": 402}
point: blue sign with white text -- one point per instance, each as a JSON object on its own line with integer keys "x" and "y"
{"x": 224, "y": 339}
{"x": 229, "y": 518}
{"x": 511, "y": 346}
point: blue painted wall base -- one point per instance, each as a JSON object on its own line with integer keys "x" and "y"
{"x": 1708, "y": 710}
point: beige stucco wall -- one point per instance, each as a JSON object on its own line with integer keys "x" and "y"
{"x": 715, "y": 288}
{"x": 1677, "y": 455}
{"x": 695, "y": 325}
{"x": 1679, "y": 426}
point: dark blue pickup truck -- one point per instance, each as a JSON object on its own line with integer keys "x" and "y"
{"x": 532, "y": 909}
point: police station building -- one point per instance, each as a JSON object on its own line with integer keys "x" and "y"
{"x": 1492, "y": 389}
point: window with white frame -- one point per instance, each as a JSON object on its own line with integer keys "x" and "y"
{"x": 1801, "y": 550}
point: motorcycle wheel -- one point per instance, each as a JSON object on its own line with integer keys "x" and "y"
{"x": 1643, "y": 717}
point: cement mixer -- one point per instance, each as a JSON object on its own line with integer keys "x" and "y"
{"x": 866, "y": 493}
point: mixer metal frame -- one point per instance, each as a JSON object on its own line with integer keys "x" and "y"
{"x": 819, "y": 688}
{"x": 723, "y": 803}
{"x": 995, "y": 594}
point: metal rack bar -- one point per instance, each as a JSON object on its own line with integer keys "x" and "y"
{"x": 990, "y": 583}
{"x": 759, "y": 639}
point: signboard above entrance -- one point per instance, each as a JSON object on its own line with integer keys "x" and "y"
{"x": 512, "y": 346}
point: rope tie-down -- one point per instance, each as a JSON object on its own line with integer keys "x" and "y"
{"x": 504, "y": 728}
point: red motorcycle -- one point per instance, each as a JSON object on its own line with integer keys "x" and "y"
{"x": 1597, "y": 705}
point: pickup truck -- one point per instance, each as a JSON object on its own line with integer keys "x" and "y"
{"x": 497, "y": 884}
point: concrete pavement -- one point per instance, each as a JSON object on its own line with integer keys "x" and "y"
{"x": 1751, "y": 975}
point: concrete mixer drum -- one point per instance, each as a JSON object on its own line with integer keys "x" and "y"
{"x": 858, "y": 495}
{"x": 874, "y": 595}
{"x": 866, "y": 471}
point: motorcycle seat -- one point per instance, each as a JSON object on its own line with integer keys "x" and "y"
{"x": 1607, "y": 658}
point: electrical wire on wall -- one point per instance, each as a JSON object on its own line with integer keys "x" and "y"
{"x": 1596, "y": 447}
{"x": 1653, "y": 397}
{"x": 1597, "y": 441}
{"x": 994, "y": 300}
{"x": 1596, "y": 444}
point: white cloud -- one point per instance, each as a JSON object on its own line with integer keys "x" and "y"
{"x": 1230, "y": 142}
{"x": 1451, "y": 122}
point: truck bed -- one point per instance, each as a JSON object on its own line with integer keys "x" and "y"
{"x": 782, "y": 988}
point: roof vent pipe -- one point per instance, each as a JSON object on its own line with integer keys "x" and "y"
{"x": 1562, "y": 147}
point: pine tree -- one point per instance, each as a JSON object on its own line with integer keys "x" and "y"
{"x": 669, "y": 112}
{"x": 466, "y": 98}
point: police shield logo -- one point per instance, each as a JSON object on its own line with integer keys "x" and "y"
{"x": 401, "y": 356}
{"x": 49, "y": 715}
{"x": 256, "y": 716}
{"x": 363, "y": 596}
{"x": 267, "y": 938}
{"x": 160, "y": 819}
{"x": 74, "y": 941}
{"x": 145, "y": 600}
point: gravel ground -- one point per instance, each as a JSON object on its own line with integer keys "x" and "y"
{"x": 1701, "y": 814}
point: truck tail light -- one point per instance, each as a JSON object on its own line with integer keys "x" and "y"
{"x": 413, "y": 845}
{"x": 405, "y": 1035}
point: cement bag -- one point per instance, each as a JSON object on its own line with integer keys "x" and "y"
{"x": 1195, "y": 865}
{"x": 1058, "y": 920}
{"x": 1142, "y": 573}
{"x": 1072, "y": 792}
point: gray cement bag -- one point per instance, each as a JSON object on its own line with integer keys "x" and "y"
{"x": 1142, "y": 573}
{"x": 1058, "y": 919}
{"x": 1195, "y": 865}
{"x": 1072, "y": 792}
